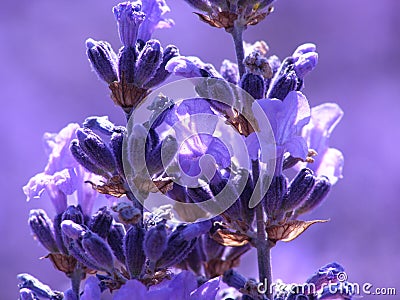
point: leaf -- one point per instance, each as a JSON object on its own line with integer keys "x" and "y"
{"x": 289, "y": 230}
{"x": 113, "y": 187}
{"x": 62, "y": 262}
{"x": 223, "y": 19}
{"x": 228, "y": 238}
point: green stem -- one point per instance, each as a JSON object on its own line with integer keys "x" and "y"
{"x": 237, "y": 35}
{"x": 262, "y": 244}
{"x": 76, "y": 278}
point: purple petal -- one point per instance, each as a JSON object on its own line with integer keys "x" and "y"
{"x": 66, "y": 180}
{"x": 60, "y": 156}
{"x": 92, "y": 289}
{"x": 330, "y": 164}
{"x": 132, "y": 289}
{"x": 36, "y": 186}
{"x": 154, "y": 11}
{"x": 183, "y": 284}
{"x": 207, "y": 291}
{"x": 253, "y": 145}
{"x": 297, "y": 147}
{"x": 86, "y": 194}
{"x": 287, "y": 118}
{"x": 324, "y": 119}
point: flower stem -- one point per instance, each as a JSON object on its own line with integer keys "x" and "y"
{"x": 76, "y": 278}
{"x": 237, "y": 35}
{"x": 262, "y": 244}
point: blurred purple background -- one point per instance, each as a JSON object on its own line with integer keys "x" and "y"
{"x": 47, "y": 82}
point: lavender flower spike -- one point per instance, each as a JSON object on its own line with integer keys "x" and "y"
{"x": 329, "y": 161}
{"x": 129, "y": 18}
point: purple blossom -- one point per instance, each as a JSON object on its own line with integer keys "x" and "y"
{"x": 92, "y": 289}
{"x": 154, "y": 11}
{"x": 182, "y": 286}
{"x": 62, "y": 175}
{"x": 329, "y": 161}
{"x": 287, "y": 118}
{"x": 194, "y": 123}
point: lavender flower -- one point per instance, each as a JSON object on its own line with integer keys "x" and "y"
{"x": 154, "y": 11}
{"x": 183, "y": 151}
{"x": 329, "y": 161}
{"x": 182, "y": 286}
{"x": 287, "y": 118}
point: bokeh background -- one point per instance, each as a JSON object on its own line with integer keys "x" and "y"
{"x": 46, "y": 82}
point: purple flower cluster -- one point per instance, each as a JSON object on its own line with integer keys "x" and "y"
{"x": 184, "y": 150}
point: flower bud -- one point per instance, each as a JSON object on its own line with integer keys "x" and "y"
{"x": 247, "y": 213}
{"x": 274, "y": 197}
{"x": 72, "y": 230}
{"x": 155, "y": 241}
{"x": 160, "y": 157}
{"x": 148, "y": 61}
{"x": 59, "y": 236}
{"x": 116, "y": 241}
{"x": 177, "y": 249}
{"x": 129, "y": 18}
{"x": 136, "y": 150}
{"x": 224, "y": 191}
{"x": 116, "y": 145}
{"x": 299, "y": 189}
{"x": 101, "y": 221}
{"x": 73, "y": 213}
{"x": 76, "y": 250}
{"x": 97, "y": 249}
{"x": 96, "y": 149}
{"x": 126, "y": 64}
{"x": 230, "y": 71}
{"x": 101, "y": 124}
{"x": 305, "y": 64}
{"x": 103, "y": 60}
{"x": 194, "y": 230}
{"x": 234, "y": 279}
{"x": 253, "y": 84}
{"x": 41, "y": 227}
{"x": 318, "y": 194}
{"x": 84, "y": 160}
{"x": 162, "y": 73}
{"x": 133, "y": 249}
{"x": 281, "y": 85}
{"x": 303, "y": 49}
